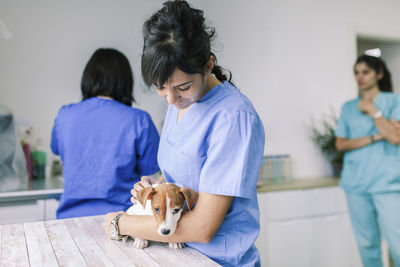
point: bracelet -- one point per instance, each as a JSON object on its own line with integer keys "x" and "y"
{"x": 114, "y": 229}
{"x": 372, "y": 139}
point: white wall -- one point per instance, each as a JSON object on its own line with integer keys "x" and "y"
{"x": 293, "y": 59}
{"x": 391, "y": 55}
{"x": 41, "y": 66}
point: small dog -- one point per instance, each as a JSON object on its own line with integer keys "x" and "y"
{"x": 165, "y": 202}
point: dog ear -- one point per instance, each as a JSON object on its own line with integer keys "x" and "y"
{"x": 190, "y": 195}
{"x": 144, "y": 194}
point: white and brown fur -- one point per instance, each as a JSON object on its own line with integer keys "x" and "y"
{"x": 165, "y": 202}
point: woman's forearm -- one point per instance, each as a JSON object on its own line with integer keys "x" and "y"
{"x": 343, "y": 144}
{"x": 388, "y": 130}
{"x": 198, "y": 225}
{"x": 144, "y": 227}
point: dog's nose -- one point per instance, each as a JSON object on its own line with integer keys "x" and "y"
{"x": 165, "y": 231}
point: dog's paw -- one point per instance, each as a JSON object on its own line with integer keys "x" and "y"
{"x": 176, "y": 245}
{"x": 140, "y": 243}
{"x": 125, "y": 238}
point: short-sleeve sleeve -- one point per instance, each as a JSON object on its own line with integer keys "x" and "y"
{"x": 395, "y": 114}
{"x": 342, "y": 128}
{"x": 54, "y": 141}
{"x": 235, "y": 149}
{"x": 147, "y": 147}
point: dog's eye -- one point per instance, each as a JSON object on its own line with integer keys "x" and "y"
{"x": 175, "y": 211}
{"x": 157, "y": 210}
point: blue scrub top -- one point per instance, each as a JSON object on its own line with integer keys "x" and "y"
{"x": 216, "y": 148}
{"x": 374, "y": 168}
{"x": 105, "y": 147}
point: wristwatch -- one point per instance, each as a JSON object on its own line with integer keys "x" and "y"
{"x": 114, "y": 230}
{"x": 377, "y": 115}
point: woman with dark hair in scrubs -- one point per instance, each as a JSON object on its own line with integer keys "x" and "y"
{"x": 105, "y": 144}
{"x": 212, "y": 141}
{"x": 368, "y": 132}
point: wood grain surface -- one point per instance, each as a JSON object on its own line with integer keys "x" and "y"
{"x": 83, "y": 242}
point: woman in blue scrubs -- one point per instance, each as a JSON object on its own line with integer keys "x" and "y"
{"x": 105, "y": 144}
{"x": 368, "y": 132}
{"x": 212, "y": 141}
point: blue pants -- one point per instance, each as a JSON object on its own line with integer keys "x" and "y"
{"x": 369, "y": 213}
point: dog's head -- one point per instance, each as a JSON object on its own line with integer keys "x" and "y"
{"x": 167, "y": 203}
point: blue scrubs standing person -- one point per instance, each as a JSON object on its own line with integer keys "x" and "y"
{"x": 105, "y": 144}
{"x": 212, "y": 141}
{"x": 368, "y": 132}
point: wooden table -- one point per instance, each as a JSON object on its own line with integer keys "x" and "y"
{"x": 83, "y": 242}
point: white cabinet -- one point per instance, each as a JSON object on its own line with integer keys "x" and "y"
{"x": 50, "y": 209}
{"x": 21, "y": 211}
{"x": 306, "y": 228}
{"x": 28, "y": 211}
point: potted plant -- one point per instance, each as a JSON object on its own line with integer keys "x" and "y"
{"x": 324, "y": 137}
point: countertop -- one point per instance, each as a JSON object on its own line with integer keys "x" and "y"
{"x": 51, "y": 187}
{"x": 299, "y": 184}
{"x": 83, "y": 242}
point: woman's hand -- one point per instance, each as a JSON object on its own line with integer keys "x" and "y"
{"x": 145, "y": 181}
{"x": 396, "y": 125}
{"x": 107, "y": 221}
{"x": 367, "y": 106}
